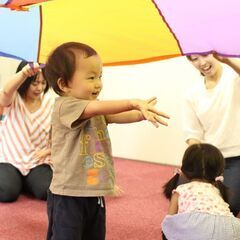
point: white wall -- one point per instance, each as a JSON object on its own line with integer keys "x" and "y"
{"x": 168, "y": 80}
{"x": 7, "y": 67}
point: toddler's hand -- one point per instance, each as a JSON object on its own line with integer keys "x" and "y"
{"x": 149, "y": 112}
{"x": 118, "y": 191}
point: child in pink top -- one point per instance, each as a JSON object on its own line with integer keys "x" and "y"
{"x": 199, "y": 209}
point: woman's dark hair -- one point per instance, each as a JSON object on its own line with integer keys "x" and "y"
{"x": 189, "y": 57}
{"x": 200, "y": 161}
{"x": 62, "y": 63}
{"x": 25, "y": 85}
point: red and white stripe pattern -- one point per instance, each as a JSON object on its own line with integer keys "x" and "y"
{"x": 24, "y": 133}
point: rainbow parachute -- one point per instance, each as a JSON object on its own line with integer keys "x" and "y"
{"x": 123, "y": 31}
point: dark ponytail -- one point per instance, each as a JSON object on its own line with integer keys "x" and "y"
{"x": 223, "y": 190}
{"x": 170, "y": 186}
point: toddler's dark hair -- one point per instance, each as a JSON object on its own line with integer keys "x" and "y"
{"x": 62, "y": 63}
{"x": 201, "y": 162}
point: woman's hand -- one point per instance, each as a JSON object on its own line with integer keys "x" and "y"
{"x": 221, "y": 58}
{"x": 41, "y": 154}
{"x": 30, "y": 70}
{"x": 234, "y": 63}
{"x": 10, "y": 87}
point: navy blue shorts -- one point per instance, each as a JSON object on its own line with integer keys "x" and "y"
{"x": 76, "y": 218}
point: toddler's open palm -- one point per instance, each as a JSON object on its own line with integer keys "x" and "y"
{"x": 150, "y": 113}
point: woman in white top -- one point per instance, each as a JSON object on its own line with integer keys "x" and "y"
{"x": 211, "y": 114}
{"x": 25, "y": 112}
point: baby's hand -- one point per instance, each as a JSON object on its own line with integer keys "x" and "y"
{"x": 149, "y": 112}
{"x": 31, "y": 69}
{"x": 118, "y": 191}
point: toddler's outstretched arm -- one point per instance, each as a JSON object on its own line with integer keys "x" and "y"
{"x": 145, "y": 110}
{"x": 121, "y": 111}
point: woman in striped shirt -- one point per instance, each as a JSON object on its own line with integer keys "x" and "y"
{"x": 25, "y": 110}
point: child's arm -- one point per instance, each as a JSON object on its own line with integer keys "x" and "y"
{"x": 173, "y": 206}
{"x": 120, "y": 111}
{"x": 145, "y": 111}
{"x": 136, "y": 116}
{"x": 9, "y": 90}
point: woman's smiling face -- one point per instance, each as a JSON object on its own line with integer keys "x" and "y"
{"x": 206, "y": 64}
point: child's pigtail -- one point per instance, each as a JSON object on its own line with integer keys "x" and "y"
{"x": 170, "y": 186}
{"x": 223, "y": 190}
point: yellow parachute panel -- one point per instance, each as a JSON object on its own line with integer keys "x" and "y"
{"x": 122, "y": 31}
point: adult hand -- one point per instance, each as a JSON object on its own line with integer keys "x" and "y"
{"x": 220, "y": 58}
{"x": 42, "y": 153}
{"x": 31, "y": 69}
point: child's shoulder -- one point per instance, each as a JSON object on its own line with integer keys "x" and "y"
{"x": 69, "y": 100}
{"x": 194, "y": 185}
{"x": 184, "y": 185}
{"x": 181, "y": 188}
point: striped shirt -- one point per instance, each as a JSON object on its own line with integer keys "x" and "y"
{"x": 24, "y": 133}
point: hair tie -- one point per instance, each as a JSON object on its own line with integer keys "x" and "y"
{"x": 219, "y": 178}
{"x": 177, "y": 171}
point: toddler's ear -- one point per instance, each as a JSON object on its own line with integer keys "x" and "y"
{"x": 62, "y": 85}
